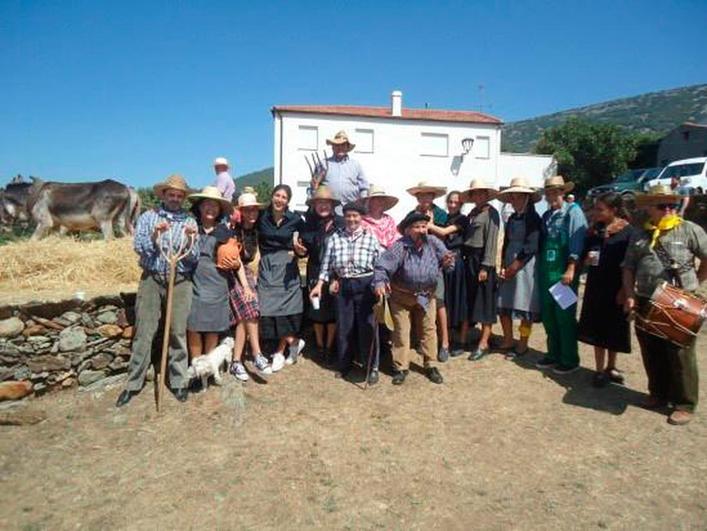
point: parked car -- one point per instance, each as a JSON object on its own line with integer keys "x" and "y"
{"x": 691, "y": 172}
{"x": 627, "y": 184}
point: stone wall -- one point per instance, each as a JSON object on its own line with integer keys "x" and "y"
{"x": 63, "y": 344}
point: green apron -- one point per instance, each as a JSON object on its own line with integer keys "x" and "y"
{"x": 560, "y": 325}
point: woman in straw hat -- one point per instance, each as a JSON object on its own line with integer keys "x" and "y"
{"x": 454, "y": 313}
{"x": 210, "y": 314}
{"x": 279, "y": 290}
{"x": 376, "y": 221}
{"x": 562, "y": 242}
{"x": 242, "y": 294}
{"x": 602, "y": 322}
{"x": 673, "y": 376}
{"x": 480, "y": 248}
{"x": 518, "y": 296}
{"x": 320, "y": 223}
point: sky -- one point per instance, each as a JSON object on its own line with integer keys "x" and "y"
{"x": 136, "y": 90}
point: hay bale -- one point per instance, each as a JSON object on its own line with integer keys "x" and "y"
{"x": 58, "y": 267}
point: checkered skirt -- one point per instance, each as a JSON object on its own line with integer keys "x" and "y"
{"x": 242, "y": 309}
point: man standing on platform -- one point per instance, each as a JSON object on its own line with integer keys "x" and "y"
{"x": 223, "y": 181}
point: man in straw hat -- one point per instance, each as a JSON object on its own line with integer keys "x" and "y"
{"x": 223, "y": 181}
{"x": 376, "y": 221}
{"x": 347, "y": 265}
{"x": 564, "y": 227}
{"x": 665, "y": 250}
{"x": 344, "y": 175}
{"x": 170, "y": 217}
{"x": 409, "y": 271}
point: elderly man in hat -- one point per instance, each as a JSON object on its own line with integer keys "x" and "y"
{"x": 409, "y": 271}
{"x": 344, "y": 175}
{"x": 349, "y": 258}
{"x": 169, "y": 218}
{"x": 563, "y": 230}
{"x": 223, "y": 181}
{"x": 665, "y": 250}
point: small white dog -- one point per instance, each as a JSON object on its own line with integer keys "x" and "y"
{"x": 211, "y": 364}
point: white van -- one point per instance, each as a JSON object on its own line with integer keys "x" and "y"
{"x": 691, "y": 172}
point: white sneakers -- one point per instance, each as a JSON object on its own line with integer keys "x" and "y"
{"x": 278, "y": 361}
{"x": 261, "y": 363}
{"x": 238, "y": 370}
{"x": 294, "y": 351}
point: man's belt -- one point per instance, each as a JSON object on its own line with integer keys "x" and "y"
{"x": 425, "y": 293}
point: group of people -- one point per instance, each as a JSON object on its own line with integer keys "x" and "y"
{"x": 421, "y": 284}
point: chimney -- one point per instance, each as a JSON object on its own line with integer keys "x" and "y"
{"x": 396, "y": 103}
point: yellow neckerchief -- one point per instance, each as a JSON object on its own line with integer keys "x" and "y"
{"x": 665, "y": 224}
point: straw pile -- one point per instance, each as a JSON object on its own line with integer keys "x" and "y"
{"x": 57, "y": 267}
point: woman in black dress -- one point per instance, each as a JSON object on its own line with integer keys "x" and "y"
{"x": 602, "y": 322}
{"x": 320, "y": 223}
{"x": 455, "y": 291}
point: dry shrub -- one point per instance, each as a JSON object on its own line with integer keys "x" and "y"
{"x": 59, "y": 266}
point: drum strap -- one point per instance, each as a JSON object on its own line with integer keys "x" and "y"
{"x": 671, "y": 266}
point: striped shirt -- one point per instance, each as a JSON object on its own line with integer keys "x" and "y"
{"x": 349, "y": 255}
{"x": 151, "y": 259}
{"x": 416, "y": 269}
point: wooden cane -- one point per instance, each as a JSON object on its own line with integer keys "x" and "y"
{"x": 172, "y": 256}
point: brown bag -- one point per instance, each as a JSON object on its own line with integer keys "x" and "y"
{"x": 229, "y": 252}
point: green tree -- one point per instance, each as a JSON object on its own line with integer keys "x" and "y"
{"x": 264, "y": 191}
{"x": 588, "y": 153}
{"x": 147, "y": 198}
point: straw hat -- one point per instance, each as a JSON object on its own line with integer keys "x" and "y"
{"x": 389, "y": 201}
{"x": 248, "y": 199}
{"x": 479, "y": 184}
{"x": 212, "y": 193}
{"x": 424, "y": 188}
{"x": 323, "y": 193}
{"x": 221, "y": 161}
{"x": 558, "y": 181}
{"x": 519, "y": 185}
{"x": 659, "y": 194}
{"x": 339, "y": 139}
{"x": 173, "y": 182}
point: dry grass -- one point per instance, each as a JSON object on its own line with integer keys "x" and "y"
{"x": 57, "y": 267}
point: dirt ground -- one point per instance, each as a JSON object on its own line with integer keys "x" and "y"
{"x": 499, "y": 445}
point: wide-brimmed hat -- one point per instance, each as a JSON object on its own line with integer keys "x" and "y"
{"x": 339, "y": 139}
{"x": 323, "y": 193}
{"x": 174, "y": 182}
{"x": 212, "y": 193}
{"x": 477, "y": 185}
{"x": 248, "y": 199}
{"x": 423, "y": 187}
{"x": 412, "y": 217}
{"x": 519, "y": 185}
{"x": 389, "y": 201}
{"x": 221, "y": 161}
{"x": 659, "y": 194}
{"x": 558, "y": 181}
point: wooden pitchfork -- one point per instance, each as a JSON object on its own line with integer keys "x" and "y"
{"x": 172, "y": 255}
{"x": 318, "y": 167}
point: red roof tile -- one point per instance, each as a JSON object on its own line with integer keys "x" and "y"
{"x": 436, "y": 115}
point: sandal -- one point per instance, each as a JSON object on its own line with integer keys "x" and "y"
{"x": 478, "y": 354}
{"x": 615, "y": 375}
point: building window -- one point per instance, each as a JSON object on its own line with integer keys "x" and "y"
{"x": 363, "y": 140}
{"x": 308, "y": 138}
{"x": 482, "y": 147}
{"x": 434, "y": 145}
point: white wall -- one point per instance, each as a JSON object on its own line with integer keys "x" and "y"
{"x": 535, "y": 168}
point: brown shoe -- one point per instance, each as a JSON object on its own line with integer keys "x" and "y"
{"x": 653, "y": 402}
{"x": 679, "y": 417}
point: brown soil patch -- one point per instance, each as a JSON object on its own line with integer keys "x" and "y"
{"x": 498, "y": 445}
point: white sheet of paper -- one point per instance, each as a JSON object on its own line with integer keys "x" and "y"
{"x": 564, "y": 295}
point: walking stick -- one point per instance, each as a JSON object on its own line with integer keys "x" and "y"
{"x": 172, "y": 256}
{"x": 374, "y": 346}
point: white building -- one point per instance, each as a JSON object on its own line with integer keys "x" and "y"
{"x": 399, "y": 147}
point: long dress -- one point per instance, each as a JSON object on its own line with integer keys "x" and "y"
{"x": 210, "y": 310}
{"x": 315, "y": 234}
{"x": 480, "y": 245}
{"x": 602, "y": 322}
{"x": 455, "y": 291}
{"x": 279, "y": 286}
{"x": 519, "y": 297}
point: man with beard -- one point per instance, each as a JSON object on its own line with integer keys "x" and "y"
{"x": 408, "y": 271}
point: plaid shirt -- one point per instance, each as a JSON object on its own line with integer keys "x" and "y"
{"x": 349, "y": 256}
{"x": 416, "y": 269}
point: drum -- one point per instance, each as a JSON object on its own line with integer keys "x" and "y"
{"x": 672, "y": 314}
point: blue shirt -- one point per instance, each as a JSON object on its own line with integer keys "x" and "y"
{"x": 570, "y": 220}
{"x": 345, "y": 179}
{"x": 151, "y": 259}
{"x": 414, "y": 269}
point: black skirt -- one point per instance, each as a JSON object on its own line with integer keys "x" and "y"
{"x": 455, "y": 292}
{"x": 275, "y": 328}
{"x": 482, "y": 295}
